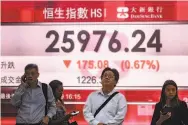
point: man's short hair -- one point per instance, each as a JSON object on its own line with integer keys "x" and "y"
{"x": 31, "y": 66}
{"x": 116, "y": 73}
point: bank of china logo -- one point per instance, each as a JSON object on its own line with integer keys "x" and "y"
{"x": 122, "y": 12}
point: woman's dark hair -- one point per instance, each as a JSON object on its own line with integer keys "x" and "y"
{"x": 54, "y": 85}
{"x": 116, "y": 73}
{"x": 175, "y": 101}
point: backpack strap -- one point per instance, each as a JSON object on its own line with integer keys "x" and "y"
{"x": 45, "y": 92}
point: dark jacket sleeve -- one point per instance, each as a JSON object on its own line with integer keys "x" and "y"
{"x": 184, "y": 113}
{"x": 156, "y": 114}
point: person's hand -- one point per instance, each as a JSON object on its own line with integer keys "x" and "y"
{"x": 100, "y": 124}
{"x": 23, "y": 79}
{"x": 165, "y": 117}
{"x": 45, "y": 120}
{"x": 60, "y": 105}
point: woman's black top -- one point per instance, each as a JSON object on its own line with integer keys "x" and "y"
{"x": 179, "y": 114}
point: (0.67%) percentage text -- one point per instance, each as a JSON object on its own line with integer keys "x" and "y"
{"x": 140, "y": 64}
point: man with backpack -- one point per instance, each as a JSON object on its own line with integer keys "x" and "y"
{"x": 34, "y": 100}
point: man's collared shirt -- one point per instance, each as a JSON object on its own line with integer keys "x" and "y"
{"x": 112, "y": 114}
{"x": 31, "y": 103}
